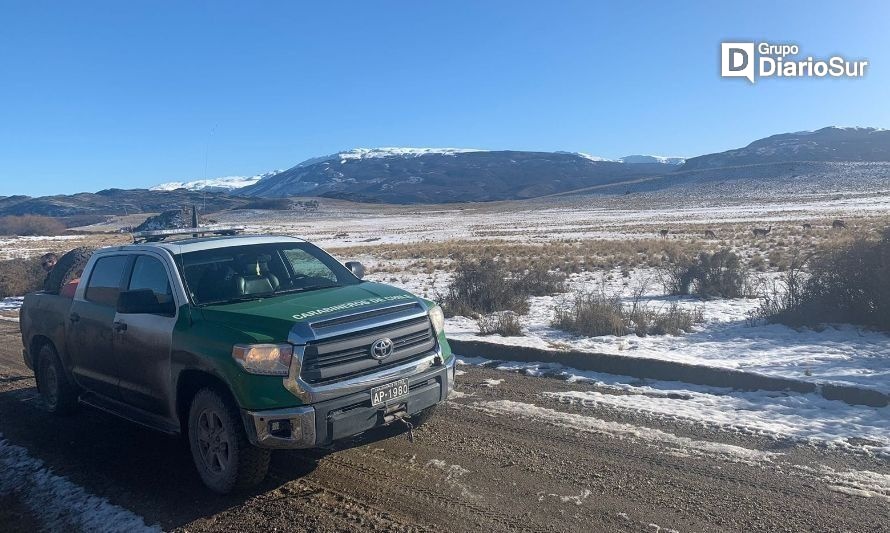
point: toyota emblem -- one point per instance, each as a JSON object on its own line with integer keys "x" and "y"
{"x": 381, "y": 349}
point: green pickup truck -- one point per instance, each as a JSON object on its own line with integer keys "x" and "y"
{"x": 243, "y": 344}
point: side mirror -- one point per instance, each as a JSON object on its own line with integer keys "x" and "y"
{"x": 356, "y": 268}
{"x": 143, "y": 302}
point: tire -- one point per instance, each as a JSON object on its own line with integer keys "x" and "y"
{"x": 59, "y": 395}
{"x": 223, "y": 455}
{"x": 68, "y": 267}
{"x": 422, "y": 417}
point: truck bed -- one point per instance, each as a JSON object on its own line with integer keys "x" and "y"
{"x": 43, "y": 315}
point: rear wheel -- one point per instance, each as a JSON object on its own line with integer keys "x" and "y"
{"x": 58, "y": 393}
{"x": 223, "y": 455}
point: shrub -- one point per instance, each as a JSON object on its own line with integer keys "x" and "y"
{"x": 846, "y": 284}
{"x": 595, "y": 314}
{"x": 718, "y": 274}
{"x": 20, "y": 276}
{"x": 30, "y": 225}
{"x": 538, "y": 281}
{"x": 487, "y": 286}
{"x": 505, "y": 324}
{"x": 591, "y": 314}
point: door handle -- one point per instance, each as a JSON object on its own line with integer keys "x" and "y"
{"x": 120, "y": 326}
{"x": 74, "y": 317}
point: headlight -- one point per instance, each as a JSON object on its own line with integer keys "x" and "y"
{"x": 437, "y": 317}
{"x": 267, "y": 359}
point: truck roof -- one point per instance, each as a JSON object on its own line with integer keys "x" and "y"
{"x": 208, "y": 243}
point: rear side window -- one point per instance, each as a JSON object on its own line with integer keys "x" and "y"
{"x": 149, "y": 273}
{"x": 105, "y": 280}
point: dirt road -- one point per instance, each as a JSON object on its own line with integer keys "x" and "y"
{"x": 501, "y": 456}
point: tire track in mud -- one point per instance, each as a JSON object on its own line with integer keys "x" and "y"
{"x": 425, "y": 497}
{"x": 466, "y": 470}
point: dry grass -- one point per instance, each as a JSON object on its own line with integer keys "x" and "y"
{"x": 596, "y": 314}
{"x": 569, "y": 256}
{"x": 29, "y": 225}
{"x": 20, "y": 276}
{"x": 505, "y": 324}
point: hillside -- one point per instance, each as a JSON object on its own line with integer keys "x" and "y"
{"x": 448, "y": 175}
{"x": 117, "y": 202}
{"x": 831, "y": 158}
{"x": 827, "y": 144}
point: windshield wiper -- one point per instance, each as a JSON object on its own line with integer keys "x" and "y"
{"x": 306, "y": 289}
{"x": 236, "y": 300}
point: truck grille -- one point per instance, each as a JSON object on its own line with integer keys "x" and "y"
{"x": 349, "y": 355}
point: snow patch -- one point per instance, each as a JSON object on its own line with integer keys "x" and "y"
{"x": 11, "y": 303}
{"x": 664, "y": 160}
{"x": 577, "y": 500}
{"x": 683, "y": 446}
{"x": 390, "y": 151}
{"x": 227, "y": 183}
{"x": 60, "y": 504}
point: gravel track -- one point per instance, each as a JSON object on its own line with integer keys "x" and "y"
{"x": 472, "y": 467}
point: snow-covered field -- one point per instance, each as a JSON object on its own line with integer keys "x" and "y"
{"x": 540, "y": 221}
{"x": 14, "y": 247}
{"x": 838, "y": 354}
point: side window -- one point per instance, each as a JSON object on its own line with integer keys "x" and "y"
{"x": 105, "y": 280}
{"x": 149, "y": 273}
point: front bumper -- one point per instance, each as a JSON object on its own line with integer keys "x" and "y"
{"x": 344, "y": 409}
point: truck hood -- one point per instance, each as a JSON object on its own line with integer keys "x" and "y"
{"x": 272, "y": 319}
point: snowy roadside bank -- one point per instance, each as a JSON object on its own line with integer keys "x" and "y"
{"x": 805, "y": 418}
{"x": 668, "y": 370}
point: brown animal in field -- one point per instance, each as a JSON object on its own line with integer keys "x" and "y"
{"x": 710, "y": 234}
{"x": 807, "y": 226}
{"x": 838, "y": 224}
{"x": 664, "y": 233}
{"x": 760, "y": 232}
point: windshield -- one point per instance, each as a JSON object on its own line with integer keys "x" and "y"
{"x": 238, "y": 273}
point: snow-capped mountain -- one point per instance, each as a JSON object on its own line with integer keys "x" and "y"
{"x": 660, "y": 159}
{"x": 833, "y": 143}
{"x": 227, "y": 183}
{"x": 416, "y": 175}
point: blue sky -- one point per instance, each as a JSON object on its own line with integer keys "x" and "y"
{"x": 126, "y": 94}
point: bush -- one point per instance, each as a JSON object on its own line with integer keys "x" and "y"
{"x": 847, "y": 284}
{"x": 505, "y": 324}
{"x": 595, "y": 314}
{"x": 20, "y": 276}
{"x": 538, "y": 281}
{"x": 592, "y": 315}
{"x": 486, "y": 286}
{"x": 718, "y": 274}
{"x": 30, "y": 225}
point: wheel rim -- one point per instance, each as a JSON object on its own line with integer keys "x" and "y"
{"x": 50, "y": 385}
{"x": 213, "y": 442}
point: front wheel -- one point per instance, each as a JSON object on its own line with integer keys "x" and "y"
{"x": 58, "y": 394}
{"x": 225, "y": 459}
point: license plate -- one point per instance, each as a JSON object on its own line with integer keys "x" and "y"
{"x": 390, "y": 391}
